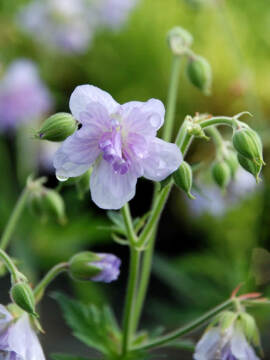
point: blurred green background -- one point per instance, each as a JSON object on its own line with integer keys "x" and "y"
{"x": 200, "y": 260}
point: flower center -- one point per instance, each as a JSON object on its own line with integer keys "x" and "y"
{"x": 111, "y": 146}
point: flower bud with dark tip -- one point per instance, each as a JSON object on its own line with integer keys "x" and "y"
{"x": 179, "y": 40}
{"x": 232, "y": 161}
{"x": 199, "y": 73}
{"x": 57, "y": 127}
{"x": 183, "y": 178}
{"x": 89, "y": 266}
{"x": 248, "y": 144}
{"x": 221, "y": 174}
{"x": 250, "y": 166}
{"x": 22, "y": 295}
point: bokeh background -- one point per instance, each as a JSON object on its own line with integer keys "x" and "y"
{"x": 201, "y": 256}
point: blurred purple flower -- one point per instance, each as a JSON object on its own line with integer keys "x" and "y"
{"x": 18, "y": 340}
{"x": 211, "y": 200}
{"x": 114, "y": 13}
{"x": 229, "y": 345}
{"x": 23, "y": 96}
{"x": 109, "y": 265}
{"x": 67, "y": 25}
{"x": 119, "y": 141}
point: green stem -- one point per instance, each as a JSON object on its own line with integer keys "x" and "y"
{"x": 185, "y": 329}
{"x": 215, "y": 135}
{"x": 218, "y": 120}
{"x": 130, "y": 299}
{"x": 172, "y": 97}
{"x": 48, "y": 278}
{"x": 13, "y": 220}
{"x": 15, "y": 274}
{"x": 129, "y": 224}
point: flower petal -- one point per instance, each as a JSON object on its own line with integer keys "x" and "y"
{"x": 162, "y": 160}
{"x": 144, "y": 118}
{"x": 241, "y": 348}
{"x": 83, "y": 95}
{"x": 5, "y": 317}
{"x": 208, "y": 346}
{"x": 111, "y": 190}
{"x": 77, "y": 153}
{"x": 23, "y": 341}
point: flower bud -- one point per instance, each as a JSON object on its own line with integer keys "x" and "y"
{"x": 200, "y": 74}
{"x": 54, "y": 205}
{"x": 22, "y": 295}
{"x": 57, "y": 127}
{"x": 232, "y": 161}
{"x": 87, "y": 266}
{"x": 197, "y": 131}
{"x": 250, "y": 166}
{"x": 248, "y": 144}
{"x": 179, "y": 40}
{"x": 221, "y": 174}
{"x": 183, "y": 178}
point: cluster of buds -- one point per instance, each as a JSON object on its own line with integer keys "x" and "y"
{"x": 45, "y": 203}
{"x": 198, "y": 68}
{"x": 248, "y": 145}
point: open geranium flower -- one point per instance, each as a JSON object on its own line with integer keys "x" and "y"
{"x": 119, "y": 141}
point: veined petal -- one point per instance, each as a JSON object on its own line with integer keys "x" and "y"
{"x": 24, "y": 342}
{"x": 162, "y": 160}
{"x": 109, "y": 189}
{"x": 77, "y": 153}
{"x": 241, "y": 349}
{"x": 208, "y": 346}
{"x": 83, "y": 95}
{"x": 5, "y": 317}
{"x": 96, "y": 116}
{"x": 144, "y": 118}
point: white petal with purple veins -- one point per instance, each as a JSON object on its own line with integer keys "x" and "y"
{"x": 84, "y": 95}
{"x": 241, "y": 349}
{"x": 162, "y": 160}
{"x": 110, "y": 189}
{"x": 208, "y": 346}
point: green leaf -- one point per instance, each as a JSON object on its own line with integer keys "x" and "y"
{"x": 95, "y": 327}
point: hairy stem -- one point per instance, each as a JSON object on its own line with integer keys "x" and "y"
{"x": 185, "y": 329}
{"x": 130, "y": 299}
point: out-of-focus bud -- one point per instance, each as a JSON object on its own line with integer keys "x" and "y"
{"x": 199, "y": 73}
{"x": 195, "y": 129}
{"x": 89, "y": 266}
{"x": 183, "y": 178}
{"x": 248, "y": 144}
{"x": 221, "y": 174}
{"x": 54, "y": 205}
{"x": 232, "y": 162}
{"x": 47, "y": 204}
{"x": 22, "y": 295}
{"x": 57, "y": 127}
{"x": 179, "y": 40}
{"x": 250, "y": 166}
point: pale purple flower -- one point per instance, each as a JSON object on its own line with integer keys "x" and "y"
{"x": 211, "y": 200}
{"x": 229, "y": 345}
{"x": 114, "y": 13}
{"x": 109, "y": 265}
{"x": 66, "y": 25}
{"x": 119, "y": 141}
{"x": 18, "y": 340}
{"x": 23, "y": 96}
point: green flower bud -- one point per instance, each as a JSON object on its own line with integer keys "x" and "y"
{"x": 250, "y": 166}
{"x": 22, "y": 295}
{"x": 232, "y": 161}
{"x": 57, "y": 127}
{"x": 54, "y": 205}
{"x": 183, "y": 178}
{"x": 221, "y": 174}
{"x": 81, "y": 268}
{"x": 248, "y": 144}
{"x": 200, "y": 74}
{"x": 196, "y": 130}
{"x": 179, "y": 40}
